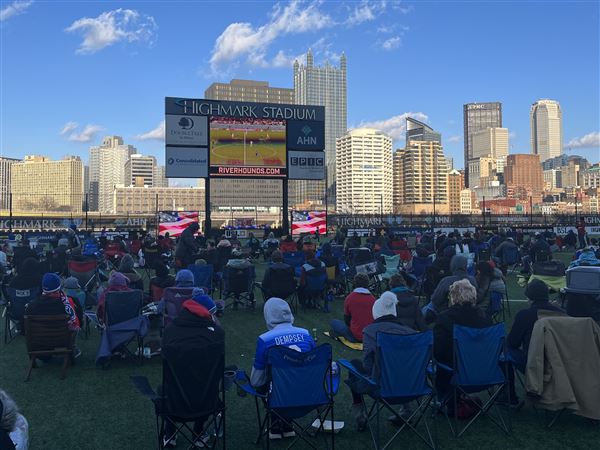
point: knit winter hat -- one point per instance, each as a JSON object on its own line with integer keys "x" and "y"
{"x": 201, "y": 298}
{"x": 385, "y": 305}
{"x": 537, "y": 291}
{"x": 118, "y": 279}
{"x": 71, "y": 283}
{"x": 50, "y": 283}
{"x": 184, "y": 278}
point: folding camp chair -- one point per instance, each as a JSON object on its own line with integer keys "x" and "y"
{"x": 48, "y": 336}
{"x": 14, "y": 310}
{"x": 294, "y": 259}
{"x": 301, "y": 383}
{"x": 203, "y": 276}
{"x": 391, "y": 266}
{"x": 86, "y": 273}
{"x": 238, "y": 284}
{"x": 315, "y": 288}
{"x": 510, "y": 259}
{"x": 496, "y": 308}
{"x": 403, "y": 377}
{"x": 174, "y": 298}
{"x": 123, "y": 324}
{"x": 192, "y": 389}
{"x": 418, "y": 271}
{"x": 477, "y": 356}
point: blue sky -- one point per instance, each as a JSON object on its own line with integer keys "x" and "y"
{"x": 72, "y": 72}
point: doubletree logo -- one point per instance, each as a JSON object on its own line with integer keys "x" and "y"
{"x": 186, "y": 123}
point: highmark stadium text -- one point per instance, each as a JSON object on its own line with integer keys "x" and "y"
{"x": 228, "y": 110}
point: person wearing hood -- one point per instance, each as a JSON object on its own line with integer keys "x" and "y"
{"x": 587, "y": 257}
{"x": 116, "y": 283}
{"x": 127, "y": 269}
{"x": 280, "y": 332}
{"x": 385, "y": 320}
{"x": 407, "y": 308}
{"x": 458, "y": 268}
{"x": 28, "y": 276}
{"x": 187, "y": 246}
{"x": 357, "y": 311}
{"x": 193, "y": 330}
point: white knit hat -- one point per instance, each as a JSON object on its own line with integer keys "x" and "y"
{"x": 385, "y": 305}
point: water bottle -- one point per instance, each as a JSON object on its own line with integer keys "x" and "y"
{"x": 314, "y": 333}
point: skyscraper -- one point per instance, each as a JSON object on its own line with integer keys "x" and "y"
{"x": 523, "y": 177}
{"x": 421, "y": 177}
{"x": 491, "y": 142}
{"x": 419, "y": 131}
{"x": 5, "y": 169}
{"x": 140, "y": 169}
{"x": 364, "y": 172}
{"x": 324, "y": 86}
{"x": 226, "y": 193}
{"x": 40, "y": 184}
{"x": 478, "y": 116}
{"x": 454, "y": 192}
{"x": 107, "y": 169}
{"x": 546, "y": 129}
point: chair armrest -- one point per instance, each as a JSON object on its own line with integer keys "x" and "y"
{"x": 243, "y": 382}
{"x": 444, "y": 367}
{"x": 348, "y": 365}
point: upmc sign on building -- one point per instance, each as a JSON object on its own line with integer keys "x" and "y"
{"x": 208, "y": 138}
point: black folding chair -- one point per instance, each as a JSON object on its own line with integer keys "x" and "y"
{"x": 238, "y": 285}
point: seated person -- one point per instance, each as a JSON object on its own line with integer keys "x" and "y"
{"x": 408, "y": 311}
{"x": 462, "y": 311}
{"x": 288, "y": 244}
{"x": 312, "y": 263}
{"x": 162, "y": 279}
{"x": 329, "y": 259}
{"x": 193, "y": 330}
{"x": 385, "y": 321}
{"x": 458, "y": 268}
{"x": 507, "y": 245}
{"x": 587, "y": 257}
{"x": 357, "y": 311}
{"x": 116, "y": 283}
{"x": 126, "y": 268}
{"x": 14, "y": 429}
{"x": 439, "y": 269}
{"x": 518, "y": 339}
{"x": 280, "y": 331}
{"x": 184, "y": 278}
{"x": 489, "y": 279}
{"x": 279, "y": 278}
{"x": 253, "y": 244}
{"x": 237, "y": 261}
{"x": 28, "y": 275}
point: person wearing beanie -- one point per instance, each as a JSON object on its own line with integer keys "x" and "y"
{"x": 73, "y": 290}
{"x": 519, "y": 336}
{"x": 116, "y": 283}
{"x": 280, "y": 331}
{"x": 54, "y": 301}
{"x": 357, "y": 311}
{"x": 184, "y": 278}
{"x": 200, "y": 297}
{"x": 439, "y": 298}
{"x": 126, "y": 267}
{"x": 195, "y": 332}
{"x": 384, "y": 321}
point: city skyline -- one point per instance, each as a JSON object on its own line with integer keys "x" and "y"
{"x": 77, "y": 91}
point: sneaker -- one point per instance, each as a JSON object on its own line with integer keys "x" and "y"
{"x": 171, "y": 442}
{"x": 274, "y": 435}
{"x": 359, "y": 416}
{"x": 289, "y": 434}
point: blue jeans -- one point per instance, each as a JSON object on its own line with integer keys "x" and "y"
{"x": 339, "y": 328}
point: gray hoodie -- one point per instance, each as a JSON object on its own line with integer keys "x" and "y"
{"x": 458, "y": 267}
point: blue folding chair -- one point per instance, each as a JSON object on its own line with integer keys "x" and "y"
{"x": 15, "y": 310}
{"x": 315, "y": 289}
{"x": 301, "y": 383}
{"x": 497, "y": 301}
{"x": 403, "y": 376}
{"x": 478, "y": 353}
{"x": 391, "y": 266}
{"x": 419, "y": 266}
{"x": 203, "y": 276}
{"x": 294, "y": 259}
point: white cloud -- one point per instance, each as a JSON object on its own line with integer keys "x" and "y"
{"x": 157, "y": 134}
{"x": 364, "y": 12}
{"x": 455, "y": 139}
{"x": 512, "y": 134}
{"x": 242, "y": 39}
{"x": 590, "y": 140}
{"x": 88, "y": 134}
{"x": 391, "y": 43}
{"x": 69, "y": 127}
{"x": 395, "y": 126}
{"x": 14, "y": 9}
{"x": 114, "y": 26}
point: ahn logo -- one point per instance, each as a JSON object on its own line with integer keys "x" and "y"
{"x": 306, "y": 139}
{"x": 307, "y": 162}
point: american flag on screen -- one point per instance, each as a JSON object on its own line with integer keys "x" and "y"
{"x": 309, "y": 221}
{"x": 175, "y": 222}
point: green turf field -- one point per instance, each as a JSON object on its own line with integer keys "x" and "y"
{"x": 263, "y": 148}
{"x": 99, "y": 409}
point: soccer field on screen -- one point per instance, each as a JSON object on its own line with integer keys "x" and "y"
{"x": 252, "y": 147}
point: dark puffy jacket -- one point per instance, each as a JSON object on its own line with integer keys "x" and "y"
{"x": 187, "y": 245}
{"x": 458, "y": 267}
{"x": 408, "y": 312}
{"x": 385, "y": 324}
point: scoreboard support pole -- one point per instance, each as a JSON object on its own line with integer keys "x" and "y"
{"x": 285, "y": 218}
{"x": 207, "y": 208}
